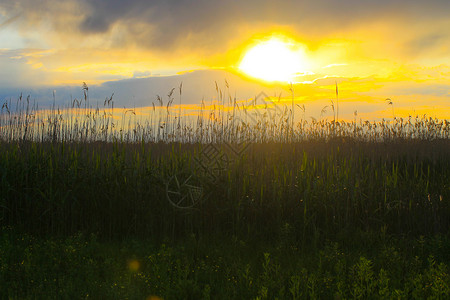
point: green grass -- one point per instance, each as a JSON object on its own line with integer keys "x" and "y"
{"x": 318, "y": 188}
{"x": 83, "y": 267}
{"x": 318, "y": 209}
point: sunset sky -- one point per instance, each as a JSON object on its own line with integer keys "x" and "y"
{"x": 373, "y": 50}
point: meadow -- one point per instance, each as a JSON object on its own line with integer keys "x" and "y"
{"x": 107, "y": 203}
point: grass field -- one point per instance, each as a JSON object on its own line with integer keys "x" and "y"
{"x": 103, "y": 207}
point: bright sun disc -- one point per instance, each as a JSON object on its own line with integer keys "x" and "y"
{"x": 273, "y": 60}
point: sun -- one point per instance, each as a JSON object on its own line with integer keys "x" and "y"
{"x": 274, "y": 60}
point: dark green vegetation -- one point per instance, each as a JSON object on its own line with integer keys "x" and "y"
{"x": 316, "y": 219}
{"x": 317, "y": 189}
{"x": 308, "y": 210}
{"x": 364, "y": 266}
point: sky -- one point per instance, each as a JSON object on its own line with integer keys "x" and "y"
{"x": 138, "y": 49}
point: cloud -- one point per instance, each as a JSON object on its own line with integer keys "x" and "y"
{"x": 141, "y": 74}
{"x": 374, "y": 49}
{"x": 209, "y": 24}
{"x": 9, "y": 20}
{"x": 354, "y": 94}
{"x": 16, "y": 70}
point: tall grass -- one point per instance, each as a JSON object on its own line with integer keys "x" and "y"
{"x": 106, "y": 171}
{"x": 226, "y": 120}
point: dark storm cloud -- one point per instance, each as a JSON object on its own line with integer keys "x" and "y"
{"x": 202, "y": 14}
{"x": 207, "y": 23}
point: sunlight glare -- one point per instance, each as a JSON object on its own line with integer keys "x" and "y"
{"x": 274, "y": 60}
